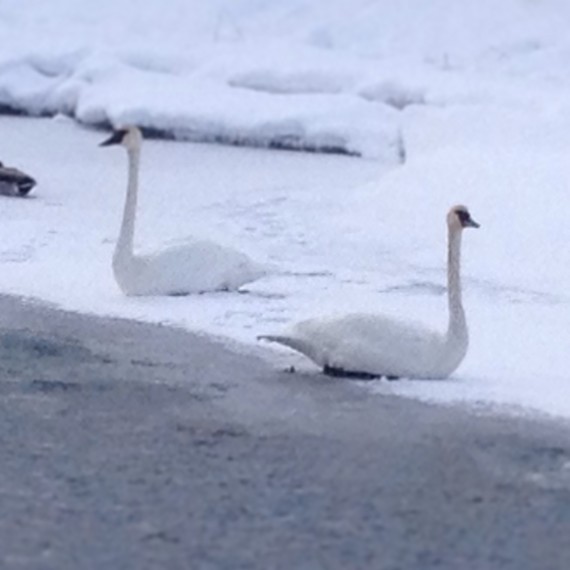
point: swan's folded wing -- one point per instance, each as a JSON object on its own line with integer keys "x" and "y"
{"x": 197, "y": 266}
{"x": 371, "y": 343}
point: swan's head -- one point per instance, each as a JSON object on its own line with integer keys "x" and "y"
{"x": 459, "y": 218}
{"x": 129, "y": 137}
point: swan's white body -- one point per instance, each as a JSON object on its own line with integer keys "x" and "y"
{"x": 374, "y": 345}
{"x": 193, "y": 267}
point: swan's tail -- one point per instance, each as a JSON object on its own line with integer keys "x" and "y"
{"x": 295, "y": 343}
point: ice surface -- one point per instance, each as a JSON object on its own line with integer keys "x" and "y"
{"x": 449, "y": 102}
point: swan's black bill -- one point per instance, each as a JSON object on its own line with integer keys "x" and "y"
{"x": 466, "y": 220}
{"x": 470, "y": 223}
{"x": 116, "y": 138}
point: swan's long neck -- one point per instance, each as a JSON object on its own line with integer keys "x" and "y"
{"x": 125, "y": 244}
{"x": 457, "y": 330}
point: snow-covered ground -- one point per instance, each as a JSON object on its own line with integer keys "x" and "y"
{"x": 447, "y": 102}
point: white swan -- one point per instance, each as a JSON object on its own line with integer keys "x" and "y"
{"x": 371, "y": 346}
{"x": 14, "y": 182}
{"x": 194, "y": 267}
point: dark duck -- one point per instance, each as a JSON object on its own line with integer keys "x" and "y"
{"x": 14, "y": 182}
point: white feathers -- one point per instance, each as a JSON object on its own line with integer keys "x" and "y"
{"x": 373, "y": 345}
{"x": 193, "y": 267}
{"x": 366, "y": 344}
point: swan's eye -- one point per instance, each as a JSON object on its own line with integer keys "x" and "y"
{"x": 463, "y": 216}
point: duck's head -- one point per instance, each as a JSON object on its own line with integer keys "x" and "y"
{"x": 459, "y": 218}
{"x": 129, "y": 137}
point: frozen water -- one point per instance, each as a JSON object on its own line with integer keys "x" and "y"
{"x": 447, "y": 102}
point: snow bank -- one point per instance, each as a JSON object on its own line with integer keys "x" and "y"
{"x": 100, "y": 91}
{"x": 264, "y": 73}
